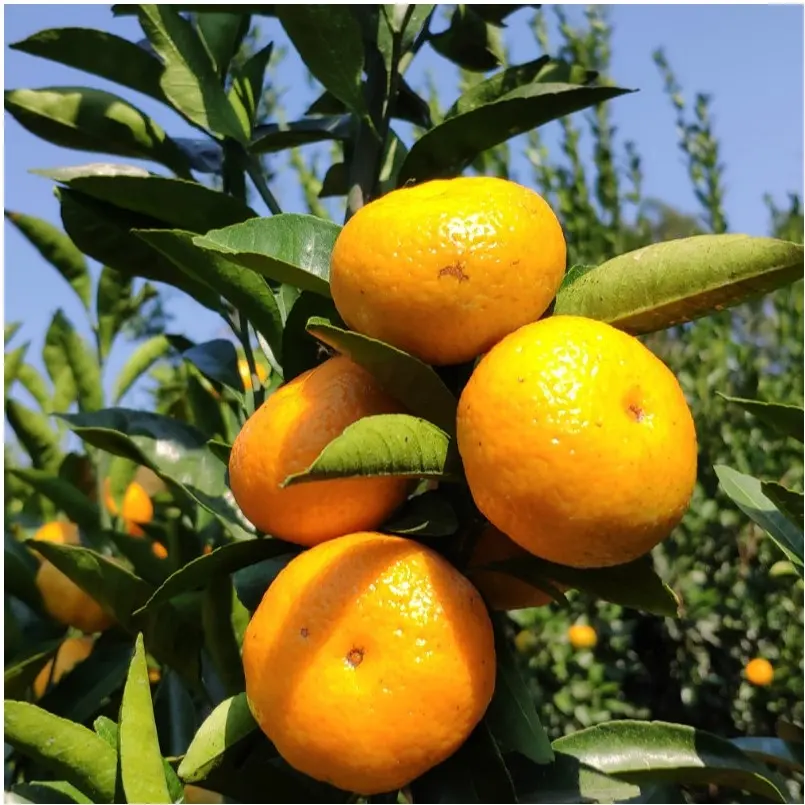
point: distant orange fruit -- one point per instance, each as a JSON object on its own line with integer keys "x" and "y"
{"x": 759, "y": 672}
{"x": 445, "y": 269}
{"x": 501, "y": 590}
{"x": 70, "y": 653}
{"x": 582, "y": 636}
{"x": 58, "y": 531}
{"x": 287, "y": 433}
{"x": 159, "y": 550}
{"x": 245, "y": 374}
{"x": 369, "y": 660}
{"x": 137, "y": 509}
{"x": 577, "y": 442}
{"x": 67, "y": 603}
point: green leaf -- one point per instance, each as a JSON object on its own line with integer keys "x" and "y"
{"x": 448, "y": 148}
{"x": 223, "y": 561}
{"x": 99, "y": 53}
{"x": 469, "y": 42}
{"x": 425, "y": 515}
{"x": 247, "y": 85}
{"x": 773, "y": 751}
{"x": 641, "y": 752}
{"x": 412, "y": 382}
{"x": 248, "y": 292}
{"x": 107, "y": 729}
{"x": 54, "y": 357}
{"x": 790, "y": 732}
{"x": 787, "y": 420}
{"x": 35, "y": 434}
{"x": 288, "y": 248}
{"x": 139, "y": 362}
{"x": 9, "y": 331}
{"x": 300, "y": 351}
{"x": 789, "y": 502}
{"x": 219, "y": 636}
{"x": 747, "y": 494}
{"x": 140, "y": 759}
{"x": 222, "y": 35}
{"x": 58, "y": 250}
{"x": 129, "y": 9}
{"x": 669, "y": 283}
{"x": 328, "y": 38}
{"x": 274, "y": 137}
{"x": 11, "y": 366}
{"x": 78, "y": 508}
{"x": 229, "y": 724}
{"x": 635, "y": 584}
{"x": 67, "y": 749}
{"x": 496, "y": 14}
{"x": 20, "y": 573}
{"x": 189, "y": 79}
{"x": 35, "y": 385}
{"x": 18, "y": 678}
{"x": 105, "y": 233}
{"x": 511, "y": 716}
{"x": 47, "y": 791}
{"x": 93, "y": 120}
{"x": 220, "y": 450}
{"x": 114, "y": 306}
{"x": 387, "y": 444}
{"x": 82, "y": 363}
{"x": 217, "y": 360}
{"x": 174, "y": 202}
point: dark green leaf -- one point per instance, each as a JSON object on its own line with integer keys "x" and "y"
{"x": 140, "y": 759}
{"x": 20, "y": 572}
{"x": 300, "y": 351}
{"x": 288, "y": 248}
{"x": 35, "y": 434}
{"x": 105, "y": 233}
{"x": 248, "y": 292}
{"x": 199, "y": 573}
{"x": 222, "y": 35}
{"x": 426, "y": 515}
{"x": 420, "y": 15}
{"x": 66, "y": 497}
{"x": 247, "y": 85}
{"x": 328, "y": 38}
{"x": 495, "y": 15}
{"x": 412, "y": 107}
{"x": 773, "y": 751}
{"x": 18, "y": 677}
{"x": 790, "y": 732}
{"x": 680, "y": 280}
{"x": 175, "y": 714}
{"x": 58, "y": 250}
{"x": 93, "y": 120}
{"x": 747, "y": 494}
{"x": 469, "y": 42}
{"x": 175, "y": 202}
{"x": 787, "y": 420}
{"x": 220, "y": 450}
{"x": 335, "y": 182}
{"x": 67, "y": 749}
{"x": 511, "y": 716}
{"x": 189, "y": 80}
{"x": 217, "y": 360}
{"x": 114, "y": 306}
{"x": 641, "y": 752}
{"x": 789, "y": 502}
{"x": 99, "y": 53}
{"x": 448, "y": 148}
{"x": 139, "y": 362}
{"x": 219, "y": 636}
{"x": 129, "y": 9}
{"x": 279, "y": 136}
{"x": 252, "y": 582}
{"x": 54, "y": 791}
{"x": 389, "y": 444}
{"x": 412, "y": 382}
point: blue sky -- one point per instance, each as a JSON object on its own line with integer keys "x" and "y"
{"x": 750, "y": 58}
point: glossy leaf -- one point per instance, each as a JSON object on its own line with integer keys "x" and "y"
{"x": 93, "y": 120}
{"x": 58, "y": 250}
{"x": 787, "y": 420}
{"x": 389, "y": 444}
{"x": 222, "y": 35}
{"x": 328, "y": 38}
{"x": 105, "y": 233}
{"x": 140, "y": 759}
{"x": 247, "y": 85}
{"x": 67, "y": 749}
{"x": 412, "y": 382}
{"x": 634, "y": 584}
{"x": 789, "y": 502}
{"x": 219, "y": 635}
{"x": 35, "y": 434}
{"x": 747, "y": 494}
{"x": 189, "y": 79}
{"x": 680, "y": 280}
{"x": 198, "y": 574}
{"x": 114, "y": 306}
{"x": 217, "y": 360}
{"x": 448, "y": 148}
{"x": 288, "y": 248}
{"x": 174, "y": 202}
{"x": 469, "y": 42}
{"x": 139, "y": 362}
{"x": 100, "y": 53}
{"x": 300, "y": 350}
{"x": 248, "y": 292}
{"x": 425, "y": 515}
{"x": 640, "y": 752}
{"x": 773, "y": 751}
{"x": 273, "y": 137}
{"x": 78, "y": 508}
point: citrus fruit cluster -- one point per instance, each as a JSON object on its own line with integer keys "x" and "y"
{"x": 371, "y": 658}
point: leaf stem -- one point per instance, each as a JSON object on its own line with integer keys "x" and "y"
{"x": 259, "y": 182}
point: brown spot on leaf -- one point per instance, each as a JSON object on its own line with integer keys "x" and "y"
{"x": 455, "y": 270}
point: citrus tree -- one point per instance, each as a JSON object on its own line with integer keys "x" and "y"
{"x": 306, "y": 631}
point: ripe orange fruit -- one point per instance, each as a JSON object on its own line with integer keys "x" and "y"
{"x": 159, "y": 550}
{"x": 137, "y": 507}
{"x": 445, "y": 269}
{"x": 759, "y": 672}
{"x": 58, "y": 531}
{"x": 500, "y": 590}
{"x": 287, "y": 433}
{"x": 67, "y": 603}
{"x": 582, "y": 636}
{"x": 71, "y": 652}
{"x": 369, "y": 660}
{"x": 577, "y": 442}
{"x": 245, "y": 375}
